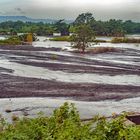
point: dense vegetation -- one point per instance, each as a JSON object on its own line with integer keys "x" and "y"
{"x": 65, "y": 124}
{"x": 11, "y": 41}
{"x": 106, "y": 28}
{"x": 19, "y": 40}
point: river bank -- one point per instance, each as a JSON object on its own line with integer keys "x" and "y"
{"x": 32, "y": 106}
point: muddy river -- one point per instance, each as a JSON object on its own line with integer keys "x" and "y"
{"x": 50, "y": 69}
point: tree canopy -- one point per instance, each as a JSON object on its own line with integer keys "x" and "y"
{"x": 82, "y": 37}
{"x": 112, "y": 27}
{"x": 84, "y": 18}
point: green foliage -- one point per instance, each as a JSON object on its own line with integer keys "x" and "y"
{"x": 27, "y": 27}
{"x": 101, "y": 28}
{"x": 84, "y": 18}
{"x": 65, "y": 124}
{"x": 107, "y": 28}
{"x": 16, "y": 40}
{"x": 82, "y": 37}
{"x": 62, "y": 27}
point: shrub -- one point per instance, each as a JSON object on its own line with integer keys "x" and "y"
{"x": 125, "y": 40}
{"x": 65, "y": 124}
{"x": 11, "y": 41}
{"x": 25, "y": 37}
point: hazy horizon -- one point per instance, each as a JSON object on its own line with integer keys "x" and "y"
{"x": 70, "y": 9}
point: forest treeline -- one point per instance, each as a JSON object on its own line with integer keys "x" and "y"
{"x": 112, "y": 27}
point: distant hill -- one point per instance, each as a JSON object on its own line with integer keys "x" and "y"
{"x": 27, "y": 19}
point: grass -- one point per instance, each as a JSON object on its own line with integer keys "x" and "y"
{"x": 68, "y": 38}
{"x": 61, "y": 38}
{"x": 10, "y": 41}
{"x": 65, "y": 124}
{"x": 125, "y": 40}
{"x": 114, "y": 40}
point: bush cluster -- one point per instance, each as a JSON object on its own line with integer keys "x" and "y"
{"x": 125, "y": 40}
{"x": 11, "y": 41}
{"x": 65, "y": 124}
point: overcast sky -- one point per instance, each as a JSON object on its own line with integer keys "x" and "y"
{"x": 69, "y": 9}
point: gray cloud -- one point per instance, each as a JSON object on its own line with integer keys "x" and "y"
{"x": 69, "y": 9}
{"x": 19, "y": 10}
{"x": 1, "y": 12}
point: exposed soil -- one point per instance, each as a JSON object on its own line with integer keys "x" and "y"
{"x": 135, "y": 119}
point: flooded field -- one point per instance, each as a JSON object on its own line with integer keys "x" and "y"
{"x": 97, "y": 83}
{"x": 51, "y": 69}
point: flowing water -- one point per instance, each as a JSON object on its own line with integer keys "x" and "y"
{"x": 86, "y": 109}
{"x": 129, "y": 60}
{"x": 37, "y": 72}
{"x": 2, "y": 37}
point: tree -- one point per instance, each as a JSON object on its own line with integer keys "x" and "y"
{"x": 84, "y": 18}
{"x": 62, "y": 27}
{"x": 82, "y": 37}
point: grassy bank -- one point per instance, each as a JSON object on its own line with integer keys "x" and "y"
{"x": 65, "y": 124}
{"x": 10, "y": 41}
{"x": 18, "y": 40}
{"x": 61, "y": 38}
{"x": 68, "y": 38}
{"x": 125, "y": 40}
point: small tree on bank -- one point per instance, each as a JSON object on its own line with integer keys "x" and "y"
{"x": 82, "y": 37}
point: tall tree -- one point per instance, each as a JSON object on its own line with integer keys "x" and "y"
{"x": 84, "y": 18}
{"x": 62, "y": 27}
